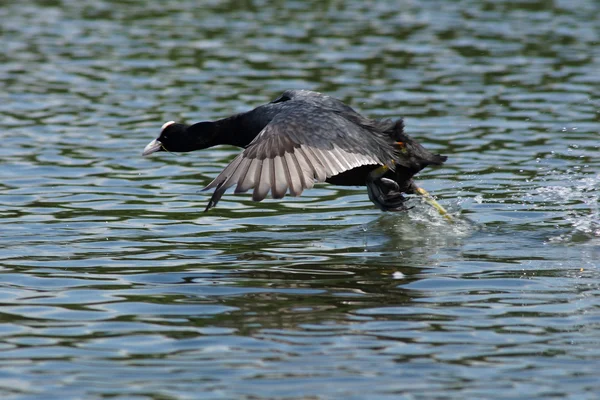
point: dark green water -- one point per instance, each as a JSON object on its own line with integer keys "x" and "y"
{"x": 115, "y": 284}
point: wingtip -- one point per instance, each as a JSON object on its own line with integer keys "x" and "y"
{"x": 216, "y": 196}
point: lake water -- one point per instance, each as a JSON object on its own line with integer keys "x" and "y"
{"x": 115, "y": 284}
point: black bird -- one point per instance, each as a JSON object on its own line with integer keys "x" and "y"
{"x": 303, "y": 137}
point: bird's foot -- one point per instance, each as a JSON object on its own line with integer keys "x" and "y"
{"x": 385, "y": 193}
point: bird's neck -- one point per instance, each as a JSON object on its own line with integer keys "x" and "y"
{"x": 233, "y": 131}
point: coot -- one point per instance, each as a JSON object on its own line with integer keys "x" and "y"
{"x": 303, "y": 137}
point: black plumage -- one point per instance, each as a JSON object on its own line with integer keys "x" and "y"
{"x": 303, "y": 137}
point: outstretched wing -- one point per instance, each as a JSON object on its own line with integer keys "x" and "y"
{"x": 302, "y": 144}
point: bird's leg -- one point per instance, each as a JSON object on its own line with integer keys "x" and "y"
{"x": 429, "y": 200}
{"x": 383, "y": 192}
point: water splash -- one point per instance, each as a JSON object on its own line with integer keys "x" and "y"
{"x": 458, "y": 227}
{"x": 582, "y": 193}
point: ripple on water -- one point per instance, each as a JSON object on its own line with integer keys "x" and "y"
{"x": 114, "y": 283}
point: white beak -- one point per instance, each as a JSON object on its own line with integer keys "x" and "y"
{"x": 152, "y": 147}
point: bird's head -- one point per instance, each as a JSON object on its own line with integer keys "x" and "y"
{"x": 181, "y": 138}
{"x": 173, "y": 137}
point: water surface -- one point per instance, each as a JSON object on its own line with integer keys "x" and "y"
{"x": 114, "y": 283}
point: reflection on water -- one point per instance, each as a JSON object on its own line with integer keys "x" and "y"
{"x": 116, "y": 284}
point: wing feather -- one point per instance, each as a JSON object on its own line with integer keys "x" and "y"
{"x": 327, "y": 162}
{"x": 307, "y": 172}
{"x": 226, "y": 173}
{"x": 340, "y": 159}
{"x": 292, "y": 175}
{"x": 279, "y": 177}
{"x": 301, "y": 145}
{"x": 263, "y": 184}
{"x": 249, "y": 180}
{"x": 314, "y": 162}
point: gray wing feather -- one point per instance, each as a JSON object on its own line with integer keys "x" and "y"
{"x": 263, "y": 184}
{"x": 280, "y": 180}
{"x": 302, "y": 144}
{"x": 306, "y": 171}
{"x": 247, "y": 182}
{"x": 313, "y": 162}
{"x": 330, "y": 169}
{"x": 292, "y": 175}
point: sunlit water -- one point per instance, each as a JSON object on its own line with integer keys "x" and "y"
{"x": 114, "y": 283}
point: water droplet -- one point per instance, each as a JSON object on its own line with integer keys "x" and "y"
{"x": 398, "y": 275}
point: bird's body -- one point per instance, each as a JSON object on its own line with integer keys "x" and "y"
{"x": 303, "y": 137}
